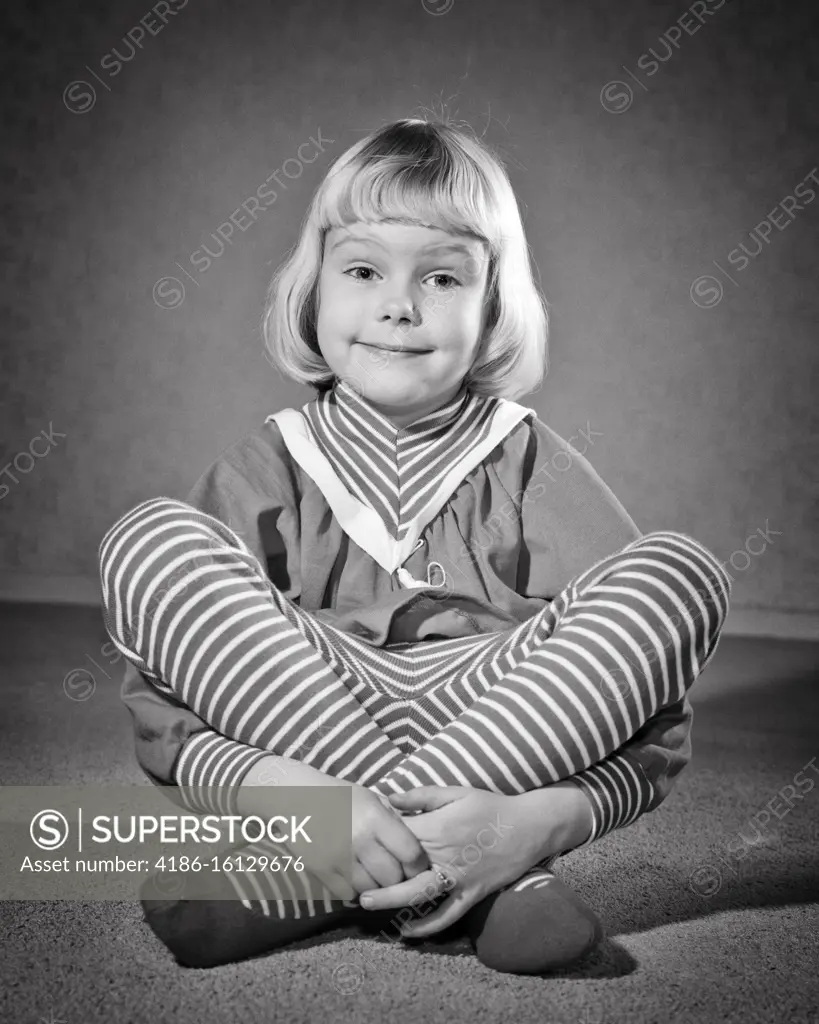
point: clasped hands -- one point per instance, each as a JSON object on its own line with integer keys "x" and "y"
{"x": 482, "y": 840}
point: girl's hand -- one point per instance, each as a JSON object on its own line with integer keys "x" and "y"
{"x": 482, "y": 840}
{"x": 385, "y": 850}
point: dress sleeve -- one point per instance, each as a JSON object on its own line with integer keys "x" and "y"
{"x": 244, "y": 489}
{"x": 569, "y": 517}
{"x": 570, "y": 520}
{"x": 250, "y": 489}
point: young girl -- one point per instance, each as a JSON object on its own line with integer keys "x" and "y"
{"x": 412, "y": 587}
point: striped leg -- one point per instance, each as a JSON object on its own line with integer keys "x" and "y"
{"x": 509, "y": 712}
{"x": 568, "y": 688}
{"x": 188, "y": 604}
{"x": 178, "y": 584}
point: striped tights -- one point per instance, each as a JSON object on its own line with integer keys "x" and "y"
{"x": 188, "y": 603}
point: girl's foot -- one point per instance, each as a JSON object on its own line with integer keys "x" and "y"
{"x": 534, "y": 925}
{"x": 220, "y": 929}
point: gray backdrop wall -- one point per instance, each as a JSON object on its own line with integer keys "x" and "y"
{"x": 648, "y": 143}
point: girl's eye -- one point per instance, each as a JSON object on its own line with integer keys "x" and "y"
{"x": 449, "y": 277}
{"x": 352, "y": 270}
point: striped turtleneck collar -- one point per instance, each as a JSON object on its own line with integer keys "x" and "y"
{"x": 395, "y": 470}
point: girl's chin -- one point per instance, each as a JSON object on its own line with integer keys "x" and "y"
{"x": 400, "y": 394}
{"x": 392, "y": 377}
{"x": 393, "y": 394}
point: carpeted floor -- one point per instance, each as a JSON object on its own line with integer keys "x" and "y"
{"x": 696, "y": 932}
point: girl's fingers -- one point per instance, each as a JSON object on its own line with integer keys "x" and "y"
{"x": 398, "y": 840}
{"x": 402, "y": 894}
{"x": 361, "y": 878}
{"x": 381, "y": 865}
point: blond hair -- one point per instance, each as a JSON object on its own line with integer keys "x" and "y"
{"x": 433, "y": 174}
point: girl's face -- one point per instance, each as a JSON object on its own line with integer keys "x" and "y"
{"x": 400, "y": 313}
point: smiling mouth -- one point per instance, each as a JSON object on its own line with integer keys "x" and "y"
{"x": 403, "y": 351}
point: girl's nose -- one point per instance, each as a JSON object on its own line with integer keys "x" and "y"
{"x": 401, "y": 310}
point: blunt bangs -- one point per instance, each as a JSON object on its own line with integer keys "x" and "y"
{"x": 424, "y": 182}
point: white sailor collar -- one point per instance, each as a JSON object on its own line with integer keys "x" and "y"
{"x": 384, "y": 484}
